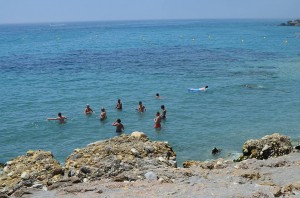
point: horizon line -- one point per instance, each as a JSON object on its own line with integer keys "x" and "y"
{"x": 136, "y": 20}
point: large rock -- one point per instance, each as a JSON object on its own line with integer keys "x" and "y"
{"x": 34, "y": 168}
{"x": 291, "y": 23}
{"x": 269, "y": 146}
{"x": 138, "y": 135}
{"x": 127, "y": 156}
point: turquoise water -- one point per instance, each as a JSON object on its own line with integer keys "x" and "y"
{"x": 252, "y": 68}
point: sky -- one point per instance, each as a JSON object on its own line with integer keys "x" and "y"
{"x": 37, "y": 11}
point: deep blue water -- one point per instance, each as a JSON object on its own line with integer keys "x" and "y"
{"x": 252, "y": 68}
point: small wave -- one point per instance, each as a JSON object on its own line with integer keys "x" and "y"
{"x": 253, "y": 86}
{"x": 57, "y": 25}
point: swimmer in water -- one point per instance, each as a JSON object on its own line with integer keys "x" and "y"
{"x": 103, "y": 114}
{"x": 203, "y": 88}
{"x": 61, "y": 119}
{"x": 164, "y": 112}
{"x": 119, "y": 126}
{"x": 119, "y": 104}
{"x": 88, "y": 110}
{"x": 157, "y": 121}
{"x": 141, "y": 107}
{"x": 157, "y": 96}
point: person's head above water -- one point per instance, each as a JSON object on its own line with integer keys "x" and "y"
{"x": 59, "y": 114}
{"x": 118, "y": 120}
{"x": 206, "y": 86}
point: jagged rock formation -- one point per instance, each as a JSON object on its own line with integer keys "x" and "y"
{"x": 35, "y": 169}
{"x": 269, "y": 146}
{"x": 125, "y": 157}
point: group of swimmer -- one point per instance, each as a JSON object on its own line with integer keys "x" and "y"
{"x": 118, "y": 123}
{"x": 141, "y": 108}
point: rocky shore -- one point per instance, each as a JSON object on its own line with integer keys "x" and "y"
{"x": 291, "y": 23}
{"x": 134, "y": 166}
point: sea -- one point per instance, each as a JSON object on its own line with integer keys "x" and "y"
{"x": 251, "y": 68}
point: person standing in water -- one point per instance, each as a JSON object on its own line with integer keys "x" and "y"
{"x": 61, "y": 119}
{"x": 164, "y": 112}
{"x": 88, "y": 110}
{"x": 119, "y": 104}
{"x": 103, "y": 114}
{"x": 119, "y": 126}
{"x": 141, "y": 107}
{"x": 157, "y": 121}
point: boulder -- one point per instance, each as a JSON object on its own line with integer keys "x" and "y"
{"x": 151, "y": 176}
{"x": 125, "y": 157}
{"x": 138, "y": 134}
{"x": 269, "y": 146}
{"x": 27, "y": 170}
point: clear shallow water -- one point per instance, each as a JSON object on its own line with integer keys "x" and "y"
{"x": 50, "y": 68}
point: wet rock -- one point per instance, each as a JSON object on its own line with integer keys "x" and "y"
{"x": 215, "y": 151}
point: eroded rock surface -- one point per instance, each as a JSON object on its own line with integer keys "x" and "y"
{"x": 35, "y": 169}
{"x": 123, "y": 158}
{"x": 269, "y": 146}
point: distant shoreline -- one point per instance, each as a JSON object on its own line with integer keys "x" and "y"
{"x": 295, "y": 22}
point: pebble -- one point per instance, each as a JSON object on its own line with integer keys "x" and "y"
{"x": 9, "y": 163}
{"x": 151, "y": 176}
{"x": 85, "y": 180}
{"x": 149, "y": 149}
{"x": 37, "y": 185}
{"x": 10, "y": 174}
{"x": 134, "y": 152}
{"x": 6, "y": 169}
{"x": 25, "y": 175}
{"x": 162, "y": 159}
{"x": 173, "y": 163}
{"x": 161, "y": 180}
